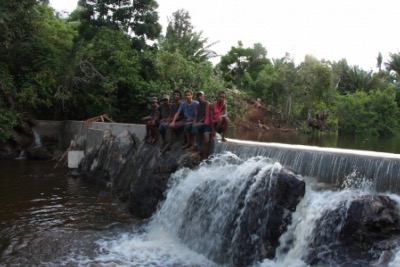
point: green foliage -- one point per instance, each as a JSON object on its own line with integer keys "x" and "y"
{"x": 370, "y": 114}
{"x": 241, "y": 66}
{"x": 314, "y": 84}
{"x": 137, "y": 18}
{"x": 179, "y": 72}
{"x": 99, "y": 61}
{"x": 394, "y": 63}
{"x": 36, "y": 48}
{"x": 235, "y": 108}
{"x": 181, "y": 37}
{"x": 107, "y": 72}
{"x": 351, "y": 79}
{"x": 8, "y": 119}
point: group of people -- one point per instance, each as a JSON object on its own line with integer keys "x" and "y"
{"x": 196, "y": 117}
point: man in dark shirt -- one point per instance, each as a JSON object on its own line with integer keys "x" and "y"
{"x": 198, "y": 122}
{"x": 163, "y": 113}
{"x": 151, "y": 119}
{"x": 163, "y": 128}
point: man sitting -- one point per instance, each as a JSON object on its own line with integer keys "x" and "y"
{"x": 187, "y": 110}
{"x": 198, "y": 126}
{"x": 166, "y": 134}
{"x": 216, "y": 121}
{"x": 151, "y": 120}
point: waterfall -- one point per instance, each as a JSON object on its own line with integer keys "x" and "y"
{"x": 212, "y": 216}
{"x": 327, "y": 165}
{"x": 22, "y": 155}
{"x": 208, "y": 209}
{"x": 37, "y": 141}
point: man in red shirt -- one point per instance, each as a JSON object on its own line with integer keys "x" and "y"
{"x": 216, "y": 121}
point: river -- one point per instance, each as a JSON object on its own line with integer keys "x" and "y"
{"x": 390, "y": 145}
{"x": 49, "y": 218}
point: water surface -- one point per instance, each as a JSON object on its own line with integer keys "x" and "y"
{"x": 47, "y": 216}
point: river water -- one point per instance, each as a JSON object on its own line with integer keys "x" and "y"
{"x": 390, "y": 145}
{"x": 48, "y": 218}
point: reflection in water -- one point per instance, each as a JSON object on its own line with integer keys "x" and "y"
{"x": 46, "y": 215}
{"x": 391, "y": 145}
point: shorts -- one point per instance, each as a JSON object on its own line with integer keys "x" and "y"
{"x": 198, "y": 128}
{"x": 207, "y": 128}
{"x": 188, "y": 127}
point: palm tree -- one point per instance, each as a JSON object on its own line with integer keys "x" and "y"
{"x": 180, "y": 36}
{"x": 379, "y": 61}
{"x": 394, "y": 63}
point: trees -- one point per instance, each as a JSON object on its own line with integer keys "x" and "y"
{"x": 180, "y": 36}
{"x": 314, "y": 83}
{"x": 241, "y": 66}
{"x": 138, "y": 18}
{"x": 34, "y": 50}
{"x": 394, "y": 63}
{"x": 99, "y": 61}
{"x": 371, "y": 113}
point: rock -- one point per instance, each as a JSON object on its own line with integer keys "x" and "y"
{"x": 20, "y": 140}
{"x": 253, "y": 226}
{"x": 149, "y": 175}
{"x": 24, "y": 128}
{"x": 370, "y": 219}
{"x": 136, "y": 173}
{"x": 362, "y": 231}
{"x": 39, "y": 152}
{"x": 8, "y": 151}
{"x": 105, "y": 164}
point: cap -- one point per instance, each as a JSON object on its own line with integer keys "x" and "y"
{"x": 165, "y": 96}
{"x": 200, "y": 93}
{"x": 153, "y": 99}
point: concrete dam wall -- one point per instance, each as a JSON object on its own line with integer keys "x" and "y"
{"x": 328, "y": 165}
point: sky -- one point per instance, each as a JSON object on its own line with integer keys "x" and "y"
{"x": 327, "y": 29}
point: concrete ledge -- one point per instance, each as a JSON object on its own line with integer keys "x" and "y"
{"x": 116, "y": 128}
{"x": 74, "y": 158}
{"x": 86, "y": 137}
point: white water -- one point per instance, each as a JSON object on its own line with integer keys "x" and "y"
{"x": 176, "y": 237}
{"x": 37, "y": 141}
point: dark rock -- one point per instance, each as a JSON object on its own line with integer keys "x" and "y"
{"x": 29, "y": 119}
{"x": 50, "y": 141}
{"x": 362, "y": 231}
{"x": 20, "y": 140}
{"x": 370, "y": 219}
{"x": 24, "y": 128}
{"x": 104, "y": 165}
{"x": 8, "y": 151}
{"x": 23, "y": 140}
{"x": 250, "y": 231}
{"x": 148, "y": 175}
{"x": 136, "y": 173}
{"x": 39, "y": 152}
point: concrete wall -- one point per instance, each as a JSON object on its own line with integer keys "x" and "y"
{"x": 87, "y": 136}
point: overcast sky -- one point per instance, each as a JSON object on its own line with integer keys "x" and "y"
{"x": 327, "y": 29}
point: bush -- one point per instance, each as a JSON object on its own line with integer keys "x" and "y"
{"x": 369, "y": 114}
